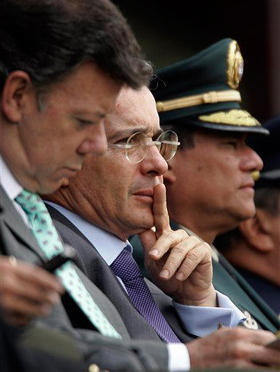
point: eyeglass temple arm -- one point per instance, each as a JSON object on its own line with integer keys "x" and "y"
{"x": 152, "y": 143}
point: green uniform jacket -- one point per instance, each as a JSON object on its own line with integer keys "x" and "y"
{"x": 229, "y": 282}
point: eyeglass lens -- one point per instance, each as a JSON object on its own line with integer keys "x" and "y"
{"x": 168, "y": 145}
{"x": 138, "y": 143}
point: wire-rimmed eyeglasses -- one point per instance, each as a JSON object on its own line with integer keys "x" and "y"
{"x": 136, "y": 145}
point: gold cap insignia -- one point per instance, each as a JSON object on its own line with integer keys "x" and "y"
{"x": 232, "y": 117}
{"x": 235, "y": 65}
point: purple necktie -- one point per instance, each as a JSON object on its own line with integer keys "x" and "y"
{"x": 127, "y": 269}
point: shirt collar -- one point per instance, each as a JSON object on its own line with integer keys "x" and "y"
{"x": 8, "y": 181}
{"x": 108, "y": 245}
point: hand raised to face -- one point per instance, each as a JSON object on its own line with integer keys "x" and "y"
{"x": 179, "y": 264}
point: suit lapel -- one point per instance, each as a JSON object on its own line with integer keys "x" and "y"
{"x": 104, "y": 305}
{"x": 13, "y": 221}
{"x": 101, "y": 275}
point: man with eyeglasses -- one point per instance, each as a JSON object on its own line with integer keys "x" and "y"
{"x": 121, "y": 193}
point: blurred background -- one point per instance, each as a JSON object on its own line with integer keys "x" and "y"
{"x": 175, "y": 30}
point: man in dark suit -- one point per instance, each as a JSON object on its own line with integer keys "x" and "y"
{"x": 121, "y": 193}
{"x": 253, "y": 248}
{"x": 210, "y": 181}
{"x": 62, "y": 64}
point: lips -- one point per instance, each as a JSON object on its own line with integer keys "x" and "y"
{"x": 70, "y": 172}
{"x": 144, "y": 195}
{"x": 248, "y": 188}
{"x": 146, "y": 192}
{"x": 248, "y": 185}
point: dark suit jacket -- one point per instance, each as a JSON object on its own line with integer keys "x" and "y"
{"x": 229, "y": 282}
{"x": 9, "y": 356}
{"x": 108, "y": 353}
{"x": 37, "y": 350}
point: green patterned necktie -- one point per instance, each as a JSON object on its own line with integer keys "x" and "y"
{"x": 49, "y": 241}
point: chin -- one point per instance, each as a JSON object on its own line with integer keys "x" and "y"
{"x": 247, "y": 213}
{"x": 143, "y": 223}
{"x": 46, "y": 188}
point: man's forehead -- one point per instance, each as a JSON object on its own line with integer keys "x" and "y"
{"x": 126, "y": 129}
{"x": 129, "y": 95}
{"x": 134, "y": 111}
{"x": 126, "y": 122}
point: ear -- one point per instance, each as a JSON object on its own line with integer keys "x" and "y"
{"x": 256, "y": 232}
{"x": 169, "y": 176}
{"x": 16, "y": 88}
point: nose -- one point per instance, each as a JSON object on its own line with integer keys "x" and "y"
{"x": 251, "y": 160}
{"x": 153, "y": 163}
{"x": 95, "y": 141}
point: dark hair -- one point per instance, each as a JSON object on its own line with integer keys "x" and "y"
{"x": 49, "y": 38}
{"x": 228, "y": 240}
{"x": 268, "y": 198}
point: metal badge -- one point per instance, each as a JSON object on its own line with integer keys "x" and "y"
{"x": 250, "y": 322}
{"x": 235, "y": 65}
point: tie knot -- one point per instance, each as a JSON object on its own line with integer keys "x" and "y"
{"x": 125, "y": 267}
{"x": 31, "y": 203}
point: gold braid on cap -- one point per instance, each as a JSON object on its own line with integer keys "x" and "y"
{"x": 199, "y": 99}
{"x": 232, "y": 117}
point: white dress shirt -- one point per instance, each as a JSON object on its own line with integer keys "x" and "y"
{"x": 11, "y": 187}
{"x": 197, "y": 320}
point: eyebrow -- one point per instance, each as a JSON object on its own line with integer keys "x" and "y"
{"x": 130, "y": 131}
{"x": 234, "y": 135}
{"x": 158, "y": 132}
{"x": 93, "y": 115}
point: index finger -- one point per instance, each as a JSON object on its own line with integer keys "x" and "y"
{"x": 161, "y": 217}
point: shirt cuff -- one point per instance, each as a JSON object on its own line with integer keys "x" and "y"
{"x": 178, "y": 357}
{"x": 202, "y": 320}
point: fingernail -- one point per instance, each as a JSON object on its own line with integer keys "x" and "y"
{"x": 164, "y": 274}
{"x": 154, "y": 252}
{"x": 180, "y": 276}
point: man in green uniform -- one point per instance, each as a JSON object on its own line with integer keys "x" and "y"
{"x": 254, "y": 246}
{"x": 210, "y": 181}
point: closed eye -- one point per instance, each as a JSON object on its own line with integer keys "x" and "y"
{"x": 84, "y": 122}
{"x": 123, "y": 140}
{"x": 231, "y": 143}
